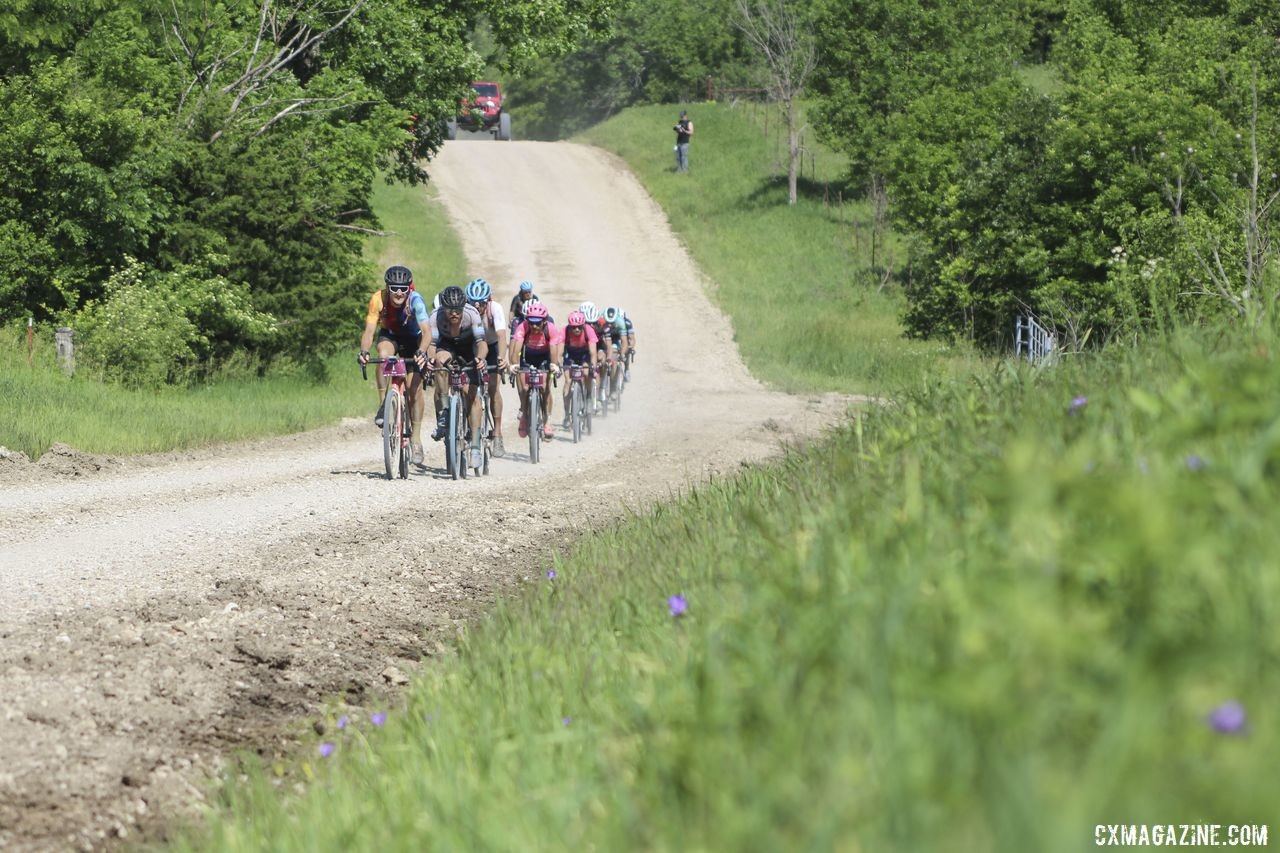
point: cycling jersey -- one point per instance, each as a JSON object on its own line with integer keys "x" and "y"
{"x": 494, "y": 319}
{"x": 470, "y": 331}
{"x": 517, "y": 308}
{"x": 405, "y": 323}
{"x": 577, "y": 343}
{"x": 601, "y": 328}
{"x": 539, "y": 337}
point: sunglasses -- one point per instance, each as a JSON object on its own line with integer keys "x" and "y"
{"x": 399, "y": 289}
{"x": 453, "y": 312}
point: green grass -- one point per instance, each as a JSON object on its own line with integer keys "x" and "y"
{"x": 798, "y": 284}
{"x": 418, "y": 235}
{"x": 984, "y": 618}
{"x": 42, "y": 406}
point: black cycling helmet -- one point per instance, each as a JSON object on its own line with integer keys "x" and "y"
{"x": 453, "y": 297}
{"x": 398, "y": 276}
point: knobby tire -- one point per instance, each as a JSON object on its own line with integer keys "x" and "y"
{"x": 535, "y": 425}
{"x": 392, "y": 449}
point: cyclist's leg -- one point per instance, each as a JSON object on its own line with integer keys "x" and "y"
{"x": 441, "y": 384}
{"x": 384, "y": 346}
{"x": 495, "y": 393}
{"x": 522, "y": 388}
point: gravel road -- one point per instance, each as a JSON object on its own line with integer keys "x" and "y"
{"x": 159, "y": 612}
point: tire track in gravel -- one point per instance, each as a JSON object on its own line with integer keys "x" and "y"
{"x": 158, "y": 612}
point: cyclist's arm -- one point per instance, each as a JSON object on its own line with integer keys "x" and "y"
{"x": 371, "y": 318}
{"x": 516, "y": 341}
{"x": 366, "y": 339}
{"x": 434, "y": 342}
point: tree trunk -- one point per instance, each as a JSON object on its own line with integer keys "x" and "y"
{"x": 793, "y": 148}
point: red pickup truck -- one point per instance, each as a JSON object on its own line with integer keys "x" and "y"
{"x": 482, "y": 112}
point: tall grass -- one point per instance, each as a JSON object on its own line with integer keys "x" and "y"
{"x": 417, "y": 235}
{"x": 988, "y": 617}
{"x": 810, "y": 311}
{"x": 42, "y": 406}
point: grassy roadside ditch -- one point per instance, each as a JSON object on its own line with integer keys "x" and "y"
{"x": 42, "y": 406}
{"x": 798, "y": 284}
{"x": 987, "y": 618}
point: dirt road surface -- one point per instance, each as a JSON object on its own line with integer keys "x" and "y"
{"x": 157, "y": 613}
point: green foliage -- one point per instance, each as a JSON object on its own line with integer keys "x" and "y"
{"x": 985, "y": 618}
{"x": 652, "y": 53}
{"x": 240, "y": 396}
{"x": 778, "y": 269}
{"x": 155, "y": 328}
{"x": 879, "y": 56}
{"x": 1102, "y": 203}
{"x": 79, "y": 188}
{"x": 177, "y": 132}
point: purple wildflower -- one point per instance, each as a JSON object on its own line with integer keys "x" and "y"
{"x": 564, "y": 721}
{"x": 1228, "y": 718}
{"x": 326, "y": 749}
{"x": 343, "y": 721}
{"x": 1077, "y": 403}
{"x": 1195, "y": 462}
{"x": 551, "y": 574}
{"x": 677, "y": 604}
{"x": 378, "y": 717}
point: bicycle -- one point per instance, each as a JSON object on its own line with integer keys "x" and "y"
{"x": 536, "y": 381}
{"x": 397, "y": 428}
{"x": 458, "y": 429}
{"x": 601, "y": 384}
{"x": 579, "y": 408}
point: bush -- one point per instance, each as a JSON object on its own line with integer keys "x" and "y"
{"x": 168, "y": 327}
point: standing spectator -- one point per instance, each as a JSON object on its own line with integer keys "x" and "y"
{"x": 684, "y": 130}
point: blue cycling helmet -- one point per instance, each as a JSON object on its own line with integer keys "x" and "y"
{"x": 478, "y": 290}
{"x": 526, "y": 287}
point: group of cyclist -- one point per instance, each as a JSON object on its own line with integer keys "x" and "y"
{"x": 466, "y": 327}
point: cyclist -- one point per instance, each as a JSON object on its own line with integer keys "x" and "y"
{"x": 480, "y": 294}
{"x": 457, "y": 331}
{"x": 398, "y": 314}
{"x": 537, "y": 342}
{"x": 631, "y": 345}
{"x": 604, "y": 343}
{"x": 579, "y": 348}
{"x": 520, "y": 301}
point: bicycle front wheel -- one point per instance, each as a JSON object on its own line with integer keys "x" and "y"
{"x": 451, "y": 439}
{"x": 392, "y": 415}
{"x": 535, "y": 424}
{"x": 575, "y": 412}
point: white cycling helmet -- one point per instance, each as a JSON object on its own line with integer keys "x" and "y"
{"x": 590, "y": 311}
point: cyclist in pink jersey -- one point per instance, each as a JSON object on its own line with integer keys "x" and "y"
{"x": 536, "y": 343}
{"x": 580, "y": 347}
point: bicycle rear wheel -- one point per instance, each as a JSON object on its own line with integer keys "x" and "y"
{"x": 535, "y": 424}
{"x": 392, "y": 415}
{"x": 616, "y": 389}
